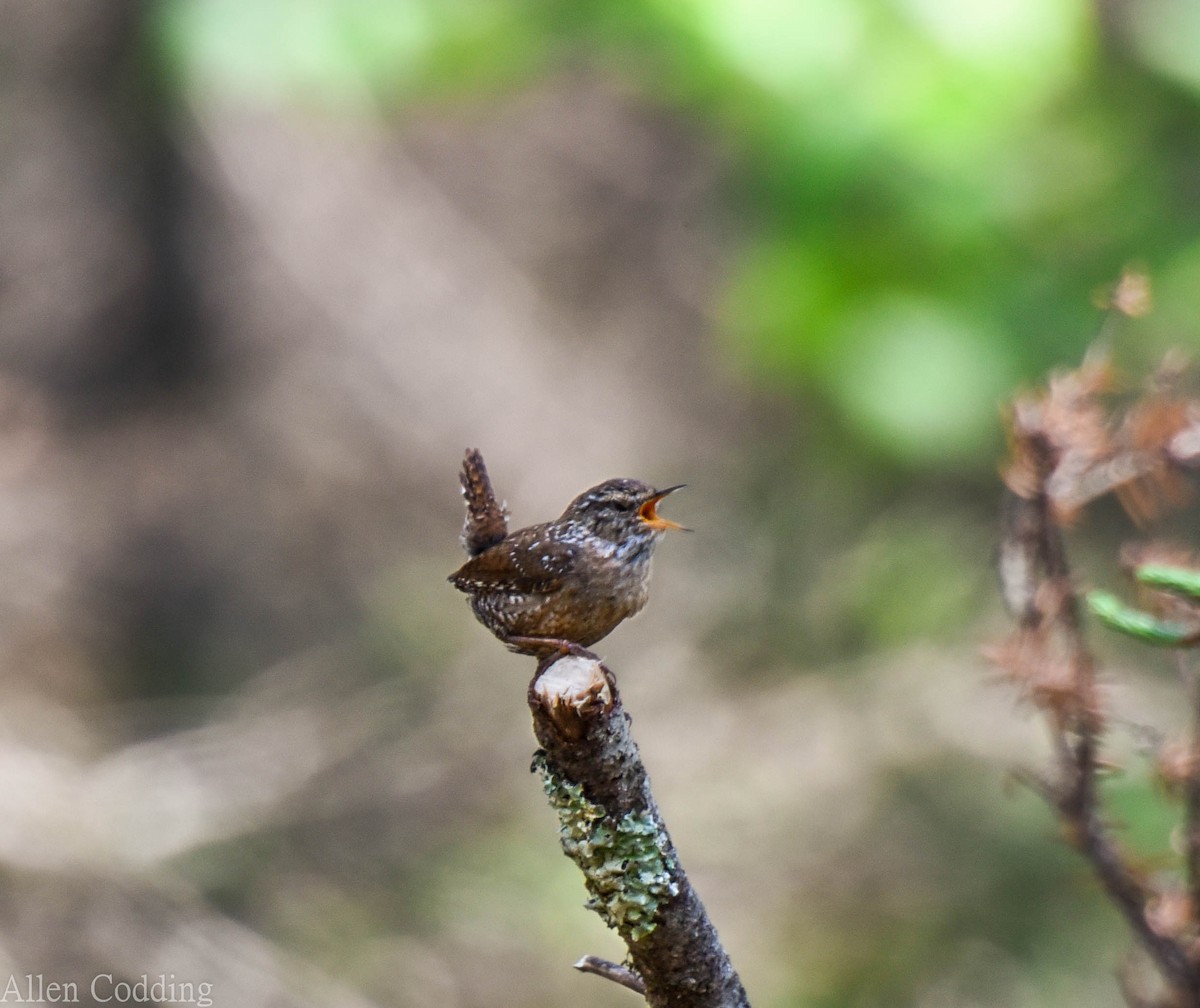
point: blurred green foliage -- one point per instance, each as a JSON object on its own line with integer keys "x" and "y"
{"x": 932, "y": 192}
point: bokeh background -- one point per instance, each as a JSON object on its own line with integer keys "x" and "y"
{"x": 268, "y": 266}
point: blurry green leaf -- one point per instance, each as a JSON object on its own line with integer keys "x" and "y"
{"x": 919, "y": 381}
{"x": 1184, "y": 580}
{"x": 1115, "y": 615}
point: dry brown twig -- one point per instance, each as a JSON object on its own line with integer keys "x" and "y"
{"x": 1068, "y": 449}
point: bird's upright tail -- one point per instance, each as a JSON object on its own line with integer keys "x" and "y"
{"x": 486, "y": 522}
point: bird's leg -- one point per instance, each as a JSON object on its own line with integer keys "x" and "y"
{"x": 547, "y": 647}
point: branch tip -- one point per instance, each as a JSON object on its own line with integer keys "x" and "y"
{"x": 572, "y": 691}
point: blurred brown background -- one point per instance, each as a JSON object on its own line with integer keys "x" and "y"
{"x": 268, "y": 268}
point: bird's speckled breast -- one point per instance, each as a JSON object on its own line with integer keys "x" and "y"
{"x": 593, "y": 598}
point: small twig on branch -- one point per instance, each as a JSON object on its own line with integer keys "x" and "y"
{"x": 615, "y": 972}
{"x": 611, "y": 828}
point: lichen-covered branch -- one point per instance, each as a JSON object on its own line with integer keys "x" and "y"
{"x": 611, "y": 828}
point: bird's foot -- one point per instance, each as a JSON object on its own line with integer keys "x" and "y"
{"x": 545, "y": 648}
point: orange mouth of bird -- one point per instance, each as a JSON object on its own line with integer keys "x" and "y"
{"x": 648, "y": 512}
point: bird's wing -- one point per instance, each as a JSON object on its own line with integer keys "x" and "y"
{"x": 536, "y": 564}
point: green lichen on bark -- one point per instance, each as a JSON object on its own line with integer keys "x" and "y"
{"x": 625, "y": 863}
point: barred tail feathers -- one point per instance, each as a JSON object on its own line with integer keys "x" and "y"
{"x": 486, "y": 522}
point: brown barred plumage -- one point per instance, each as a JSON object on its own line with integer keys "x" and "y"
{"x": 564, "y": 584}
{"x": 486, "y": 522}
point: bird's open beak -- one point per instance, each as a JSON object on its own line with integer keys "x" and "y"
{"x": 648, "y": 512}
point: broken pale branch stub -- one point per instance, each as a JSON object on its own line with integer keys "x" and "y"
{"x": 570, "y": 691}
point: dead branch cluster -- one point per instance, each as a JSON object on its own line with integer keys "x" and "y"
{"x": 1071, "y": 443}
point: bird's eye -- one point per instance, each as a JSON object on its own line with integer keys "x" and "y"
{"x": 623, "y": 506}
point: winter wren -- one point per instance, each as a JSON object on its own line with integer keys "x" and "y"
{"x": 564, "y": 584}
